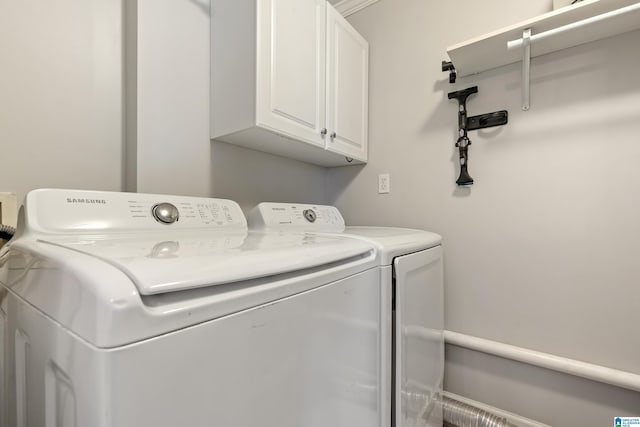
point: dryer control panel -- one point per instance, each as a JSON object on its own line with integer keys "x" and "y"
{"x": 63, "y": 211}
{"x": 296, "y": 216}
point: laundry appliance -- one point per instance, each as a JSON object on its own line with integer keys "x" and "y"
{"x": 411, "y": 279}
{"x": 141, "y": 310}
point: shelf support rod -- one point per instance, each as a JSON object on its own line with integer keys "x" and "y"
{"x": 515, "y": 44}
{"x": 526, "y": 68}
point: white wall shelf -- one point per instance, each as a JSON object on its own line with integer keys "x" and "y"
{"x": 490, "y": 50}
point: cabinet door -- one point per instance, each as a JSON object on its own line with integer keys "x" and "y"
{"x": 347, "y": 88}
{"x": 290, "y": 95}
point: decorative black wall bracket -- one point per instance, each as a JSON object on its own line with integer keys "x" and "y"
{"x": 465, "y": 124}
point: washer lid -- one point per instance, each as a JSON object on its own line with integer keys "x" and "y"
{"x": 168, "y": 262}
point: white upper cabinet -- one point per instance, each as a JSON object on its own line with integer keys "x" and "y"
{"x": 280, "y": 83}
{"x": 347, "y": 88}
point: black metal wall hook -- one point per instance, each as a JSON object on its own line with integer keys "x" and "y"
{"x": 465, "y": 124}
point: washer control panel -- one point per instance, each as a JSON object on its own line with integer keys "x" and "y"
{"x": 289, "y": 216}
{"x": 57, "y": 211}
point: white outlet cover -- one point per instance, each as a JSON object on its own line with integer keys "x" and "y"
{"x": 384, "y": 183}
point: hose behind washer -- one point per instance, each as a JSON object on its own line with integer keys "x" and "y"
{"x": 6, "y": 232}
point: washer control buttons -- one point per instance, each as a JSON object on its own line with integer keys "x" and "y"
{"x": 166, "y": 213}
{"x": 310, "y": 215}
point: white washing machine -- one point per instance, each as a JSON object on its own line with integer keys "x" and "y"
{"x": 138, "y": 310}
{"x": 411, "y": 276}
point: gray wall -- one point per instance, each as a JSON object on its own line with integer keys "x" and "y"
{"x": 541, "y": 252}
{"x": 61, "y": 94}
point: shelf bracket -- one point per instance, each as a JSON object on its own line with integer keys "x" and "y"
{"x": 448, "y": 66}
{"x": 526, "y": 69}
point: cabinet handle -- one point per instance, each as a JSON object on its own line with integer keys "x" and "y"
{"x": 323, "y": 131}
{"x": 333, "y": 135}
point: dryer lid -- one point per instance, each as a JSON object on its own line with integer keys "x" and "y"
{"x": 393, "y": 242}
{"x": 169, "y": 262}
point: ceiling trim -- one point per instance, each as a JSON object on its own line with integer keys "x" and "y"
{"x": 347, "y": 7}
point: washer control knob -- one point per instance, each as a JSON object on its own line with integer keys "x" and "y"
{"x": 165, "y": 213}
{"x": 310, "y": 215}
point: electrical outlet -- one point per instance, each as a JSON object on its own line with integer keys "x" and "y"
{"x": 8, "y": 209}
{"x": 384, "y": 183}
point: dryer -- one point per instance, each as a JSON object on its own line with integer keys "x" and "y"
{"x": 411, "y": 278}
{"x": 140, "y": 310}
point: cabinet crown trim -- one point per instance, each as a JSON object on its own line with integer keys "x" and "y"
{"x": 347, "y": 7}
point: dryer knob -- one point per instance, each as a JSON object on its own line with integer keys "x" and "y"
{"x": 166, "y": 213}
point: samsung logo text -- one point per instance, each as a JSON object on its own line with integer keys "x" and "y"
{"x": 87, "y": 201}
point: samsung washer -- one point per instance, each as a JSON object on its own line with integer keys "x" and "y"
{"x": 411, "y": 280}
{"x": 139, "y": 310}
